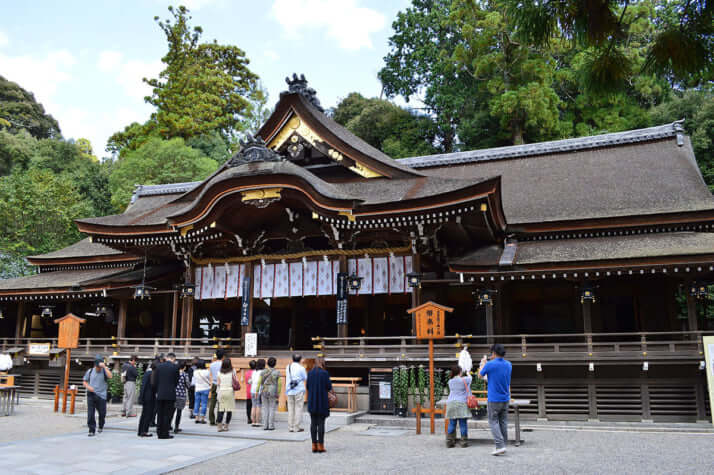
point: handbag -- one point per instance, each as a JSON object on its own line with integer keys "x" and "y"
{"x": 236, "y": 383}
{"x": 331, "y": 398}
{"x": 471, "y": 401}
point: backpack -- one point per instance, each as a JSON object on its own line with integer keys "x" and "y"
{"x": 269, "y": 384}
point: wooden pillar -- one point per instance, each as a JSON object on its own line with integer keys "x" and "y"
{"x": 587, "y": 318}
{"x": 165, "y": 327}
{"x": 489, "y": 323}
{"x": 121, "y": 322}
{"x": 692, "y": 320}
{"x": 416, "y": 291}
{"x": 343, "y": 329}
{"x": 187, "y": 307}
{"x": 20, "y": 323}
{"x": 174, "y": 313}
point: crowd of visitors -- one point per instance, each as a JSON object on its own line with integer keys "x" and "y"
{"x": 168, "y": 387}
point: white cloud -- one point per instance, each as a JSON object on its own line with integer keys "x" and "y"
{"x": 42, "y": 75}
{"x": 109, "y": 61}
{"x": 194, "y": 5}
{"x": 4, "y": 40}
{"x": 343, "y": 20}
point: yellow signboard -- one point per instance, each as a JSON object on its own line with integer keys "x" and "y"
{"x": 709, "y": 353}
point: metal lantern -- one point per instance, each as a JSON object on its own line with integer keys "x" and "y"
{"x": 354, "y": 282}
{"x": 587, "y": 294}
{"x": 702, "y": 291}
{"x": 485, "y": 297}
{"x": 188, "y": 290}
{"x": 414, "y": 279}
{"x": 1, "y": 314}
{"x": 46, "y": 310}
{"x": 143, "y": 291}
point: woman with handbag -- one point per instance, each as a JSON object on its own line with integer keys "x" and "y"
{"x": 226, "y": 385}
{"x": 320, "y": 395}
{"x": 457, "y": 406}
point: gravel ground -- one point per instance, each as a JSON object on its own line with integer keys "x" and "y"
{"x": 544, "y": 451}
{"x": 350, "y": 451}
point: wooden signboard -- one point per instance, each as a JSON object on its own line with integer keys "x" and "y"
{"x": 68, "y": 335}
{"x": 430, "y": 323}
{"x": 430, "y": 320}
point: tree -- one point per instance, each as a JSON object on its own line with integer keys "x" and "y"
{"x": 697, "y": 110}
{"x": 682, "y": 49}
{"x": 19, "y": 109}
{"x": 386, "y": 126}
{"x": 16, "y": 150}
{"x": 517, "y": 79}
{"x": 37, "y": 213}
{"x": 420, "y": 65}
{"x": 156, "y": 162}
{"x": 204, "y": 86}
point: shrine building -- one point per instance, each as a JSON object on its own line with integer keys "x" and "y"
{"x": 588, "y": 258}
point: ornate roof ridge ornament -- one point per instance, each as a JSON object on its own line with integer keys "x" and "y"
{"x": 253, "y": 149}
{"x": 298, "y": 85}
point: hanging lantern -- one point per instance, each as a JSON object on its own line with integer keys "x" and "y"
{"x": 587, "y": 294}
{"x": 1, "y": 314}
{"x": 485, "y": 297}
{"x": 414, "y": 279}
{"x": 354, "y": 282}
{"x": 142, "y": 291}
{"x": 188, "y": 290}
{"x": 46, "y": 310}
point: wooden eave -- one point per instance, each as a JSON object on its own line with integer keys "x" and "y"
{"x": 293, "y": 104}
{"x": 208, "y": 206}
{"x": 81, "y": 260}
{"x": 122, "y": 230}
{"x": 605, "y": 265}
{"x": 663, "y": 219}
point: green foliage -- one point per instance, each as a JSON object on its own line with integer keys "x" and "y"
{"x": 20, "y": 111}
{"x": 386, "y": 126}
{"x": 697, "y": 108}
{"x": 400, "y": 386}
{"x": 115, "y": 386}
{"x": 477, "y": 384}
{"x": 682, "y": 48}
{"x": 156, "y": 162}
{"x": 139, "y": 377}
{"x": 422, "y": 389}
{"x": 438, "y": 384}
{"x": 420, "y": 66}
{"x": 204, "y": 86}
{"x": 16, "y": 150}
{"x": 37, "y": 213}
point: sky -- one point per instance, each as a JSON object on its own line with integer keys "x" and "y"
{"x": 85, "y": 60}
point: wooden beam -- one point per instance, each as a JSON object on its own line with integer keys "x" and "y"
{"x": 165, "y": 327}
{"x": 121, "y": 323}
{"x": 20, "y": 323}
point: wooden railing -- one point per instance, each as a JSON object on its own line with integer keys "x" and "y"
{"x": 143, "y": 347}
{"x": 563, "y": 347}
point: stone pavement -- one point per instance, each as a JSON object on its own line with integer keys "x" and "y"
{"x": 237, "y": 429}
{"x": 113, "y": 453}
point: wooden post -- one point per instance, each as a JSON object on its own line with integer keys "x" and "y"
{"x": 166, "y": 324}
{"x": 418, "y": 418}
{"x": 174, "y": 314}
{"x": 74, "y": 397}
{"x": 57, "y": 393}
{"x": 587, "y": 319}
{"x": 431, "y": 385}
{"x": 68, "y": 361}
{"x": 489, "y": 323}
{"x": 20, "y": 323}
{"x": 121, "y": 322}
{"x": 416, "y": 291}
{"x": 692, "y": 313}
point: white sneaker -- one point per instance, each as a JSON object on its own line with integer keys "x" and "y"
{"x": 499, "y": 451}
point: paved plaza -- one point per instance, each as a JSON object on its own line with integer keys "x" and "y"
{"x": 35, "y": 440}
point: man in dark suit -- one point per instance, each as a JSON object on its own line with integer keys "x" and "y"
{"x": 147, "y": 398}
{"x": 166, "y": 377}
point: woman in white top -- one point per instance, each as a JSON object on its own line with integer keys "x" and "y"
{"x": 202, "y": 381}
{"x": 254, "y": 391}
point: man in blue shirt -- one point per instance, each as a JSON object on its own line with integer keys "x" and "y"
{"x": 498, "y": 373}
